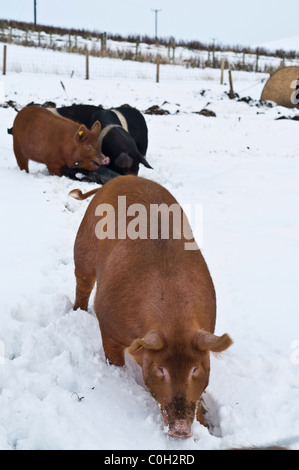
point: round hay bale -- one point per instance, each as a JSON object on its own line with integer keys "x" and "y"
{"x": 283, "y": 87}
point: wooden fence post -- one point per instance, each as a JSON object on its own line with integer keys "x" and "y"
{"x": 103, "y": 44}
{"x": 137, "y": 46}
{"x": 231, "y": 91}
{"x": 87, "y": 64}
{"x": 158, "y": 69}
{"x": 4, "y": 59}
{"x": 222, "y": 70}
{"x": 243, "y": 60}
{"x": 281, "y": 65}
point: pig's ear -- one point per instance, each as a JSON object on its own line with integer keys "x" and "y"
{"x": 209, "y": 342}
{"x": 96, "y": 128}
{"x": 144, "y": 162}
{"x": 81, "y": 133}
{"x": 124, "y": 160}
{"x": 153, "y": 341}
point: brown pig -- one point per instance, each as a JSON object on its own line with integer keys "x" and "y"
{"x": 154, "y": 298}
{"x": 59, "y": 143}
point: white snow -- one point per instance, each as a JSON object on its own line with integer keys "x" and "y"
{"x": 286, "y": 44}
{"x": 56, "y": 390}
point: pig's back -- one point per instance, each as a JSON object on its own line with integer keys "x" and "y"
{"x": 136, "y": 278}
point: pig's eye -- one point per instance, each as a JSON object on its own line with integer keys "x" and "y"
{"x": 195, "y": 372}
{"x": 78, "y": 163}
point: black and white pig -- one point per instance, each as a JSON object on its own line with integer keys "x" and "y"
{"x": 136, "y": 125}
{"x": 124, "y": 135}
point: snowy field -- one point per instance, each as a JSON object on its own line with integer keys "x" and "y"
{"x": 242, "y": 166}
{"x": 180, "y": 54}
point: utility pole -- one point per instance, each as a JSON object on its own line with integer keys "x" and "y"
{"x": 213, "y": 52}
{"x": 156, "y": 23}
{"x": 35, "y": 12}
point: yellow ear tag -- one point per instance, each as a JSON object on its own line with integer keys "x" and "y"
{"x": 142, "y": 339}
{"x": 80, "y": 132}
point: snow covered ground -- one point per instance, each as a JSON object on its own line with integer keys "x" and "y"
{"x": 286, "y": 44}
{"x": 56, "y": 390}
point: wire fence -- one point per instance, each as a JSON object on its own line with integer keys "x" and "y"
{"x": 100, "y": 46}
{"x": 33, "y": 60}
{"x": 86, "y": 64}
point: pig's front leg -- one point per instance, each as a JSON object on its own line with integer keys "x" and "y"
{"x": 114, "y": 354}
{"x": 54, "y": 170}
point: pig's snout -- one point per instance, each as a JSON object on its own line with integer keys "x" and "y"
{"x": 180, "y": 429}
{"x": 105, "y": 160}
{"x": 100, "y": 161}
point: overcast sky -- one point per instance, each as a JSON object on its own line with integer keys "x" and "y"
{"x": 228, "y": 21}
